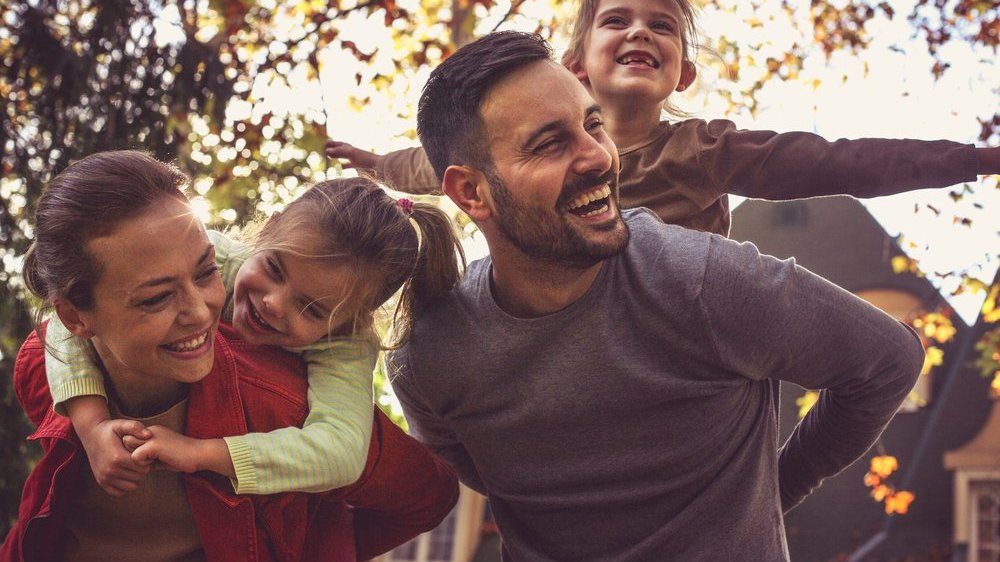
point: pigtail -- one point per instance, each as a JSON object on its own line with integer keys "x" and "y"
{"x": 439, "y": 266}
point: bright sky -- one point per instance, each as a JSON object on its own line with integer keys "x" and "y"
{"x": 896, "y": 97}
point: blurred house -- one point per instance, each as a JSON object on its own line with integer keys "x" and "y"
{"x": 946, "y": 438}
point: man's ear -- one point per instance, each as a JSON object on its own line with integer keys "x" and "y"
{"x": 467, "y": 187}
{"x": 688, "y": 73}
{"x": 74, "y": 321}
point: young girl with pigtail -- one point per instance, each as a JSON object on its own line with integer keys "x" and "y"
{"x": 310, "y": 281}
{"x": 632, "y": 55}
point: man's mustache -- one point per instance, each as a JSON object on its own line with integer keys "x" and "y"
{"x": 578, "y": 185}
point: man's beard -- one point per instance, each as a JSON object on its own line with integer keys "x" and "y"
{"x": 550, "y": 237}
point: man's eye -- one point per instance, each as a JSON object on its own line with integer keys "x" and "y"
{"x": 595, "y": 125}
{"x": 546, "y": 146}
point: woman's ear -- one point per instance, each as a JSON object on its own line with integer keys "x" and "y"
{"x": 688, "y": 73}
{"x": 468, "y": 188}
{"x": 75, "y": 321}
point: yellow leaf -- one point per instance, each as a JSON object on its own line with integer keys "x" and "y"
{"x": 995, "y": 385}
{"x": 884, "y": 465}
{"x": 899, "y": 502}
{"x": 881, "y": 492}
{"x": 900, "y": 264}
{"x": 933, "y": 358}
{"x": 806, "y": 402}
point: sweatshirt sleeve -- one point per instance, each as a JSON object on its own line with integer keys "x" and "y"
{"x": 773, "y": 319}
{"x": 331, "y": 447}
{"x": 410, "y": 171}
{"x": 795, "y": 165}
{"x": 427, "y": 426}
{"x": 69, "y": 366}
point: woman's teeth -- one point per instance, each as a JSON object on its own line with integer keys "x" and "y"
{"x": 189, "y": 345}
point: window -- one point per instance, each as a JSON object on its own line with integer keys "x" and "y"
{"x": 985, "y": 545}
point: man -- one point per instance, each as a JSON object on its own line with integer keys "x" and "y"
{"x": 610, "y": 381}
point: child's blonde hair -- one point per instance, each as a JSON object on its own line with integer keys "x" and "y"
{"x": 585, "y": 21}
{"x": 354, "y": 222}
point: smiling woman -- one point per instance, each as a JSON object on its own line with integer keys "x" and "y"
{"x": 126, "y": 265}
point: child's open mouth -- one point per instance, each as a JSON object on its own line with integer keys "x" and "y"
{"x": 591, "y": 203}
{"x": 256, "y": 320}
{"x": 638, "y": 58}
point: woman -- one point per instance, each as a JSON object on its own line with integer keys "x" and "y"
{"x": 122, "y": 260}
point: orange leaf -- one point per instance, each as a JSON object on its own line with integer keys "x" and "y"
{"x": 899, "y": 503}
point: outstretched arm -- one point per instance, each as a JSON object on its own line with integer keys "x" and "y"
{"x": 406, "y": 170}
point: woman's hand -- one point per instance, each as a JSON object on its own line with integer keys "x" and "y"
{"x": 114, "y": 469}
{"x": 175, "y": 451}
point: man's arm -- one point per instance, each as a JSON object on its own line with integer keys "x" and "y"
{"x": 773, "y": 319}
{"x": 404, "y": 490}
{"x": 426, "y": 426}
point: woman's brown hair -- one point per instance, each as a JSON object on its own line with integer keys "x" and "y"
{"x": 90, "y": 198}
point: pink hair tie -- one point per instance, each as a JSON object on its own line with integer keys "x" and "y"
{"x": 406, "y": 205}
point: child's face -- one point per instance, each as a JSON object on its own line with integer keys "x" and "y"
{"x": 634, "y": 52}
{"x": 284, "y": 299}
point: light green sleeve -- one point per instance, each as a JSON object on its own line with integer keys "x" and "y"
{"x": 69, "y": 366}
{"x": 331, "y": 448}
{"x": 229, "y": 256}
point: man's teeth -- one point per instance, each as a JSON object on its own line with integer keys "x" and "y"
{"x": 595, "y": 212}
{"x": 189, "y": 345}
{"x": 588, "y": 198}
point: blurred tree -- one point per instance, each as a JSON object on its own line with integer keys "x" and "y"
{"x": 237, "y": 92}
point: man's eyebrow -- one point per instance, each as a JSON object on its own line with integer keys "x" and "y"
{"x": 168, "y": 279}
{"x": 555, "y": 125}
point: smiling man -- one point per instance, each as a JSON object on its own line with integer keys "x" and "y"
{"x": 610, "y": 381}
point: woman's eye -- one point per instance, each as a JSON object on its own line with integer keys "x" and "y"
{"x": 208, "y": 273}
{"x": 153, "y": 302}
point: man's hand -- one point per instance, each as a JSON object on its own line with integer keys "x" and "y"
{"x": 174, "y": 451}
{"x": 355, "y": 157}
{"x": 114, "y": 470}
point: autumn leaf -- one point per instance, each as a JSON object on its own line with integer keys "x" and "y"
{"x": 899, "y": 502}
{"x": 806, "y": 402}
{"x": 884, "y": 465}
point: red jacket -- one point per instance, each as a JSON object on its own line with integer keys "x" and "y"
{"x": 403, "y": 491}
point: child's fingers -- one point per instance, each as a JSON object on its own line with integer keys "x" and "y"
{"x": 130, "y": 427}
{"x": 132, "y": 443}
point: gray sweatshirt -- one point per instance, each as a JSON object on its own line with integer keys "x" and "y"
{"x": 639, "y": 423}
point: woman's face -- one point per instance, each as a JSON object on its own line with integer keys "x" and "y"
{"x": 158, "y": 300}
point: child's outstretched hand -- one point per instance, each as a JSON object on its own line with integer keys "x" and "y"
{"x": 114, "y": 469}
{"x": 355, "y": 157}
{"x": 175, "y": 451}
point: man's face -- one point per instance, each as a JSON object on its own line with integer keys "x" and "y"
{"x": 554, "y": 184}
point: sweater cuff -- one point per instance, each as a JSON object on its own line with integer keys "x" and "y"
{"x": 74, "y": 388}
{"x": 972, "y": 163}
{"x": 246, "y": 478}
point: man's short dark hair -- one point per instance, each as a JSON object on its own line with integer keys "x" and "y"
{"x": 449, "y": 120}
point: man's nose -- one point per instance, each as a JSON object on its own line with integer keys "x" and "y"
{"x": 593, "y": 158}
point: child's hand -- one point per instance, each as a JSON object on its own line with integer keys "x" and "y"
{"x": 114, "y": 469}
{"x": 356, "y": 158}
{"x": 176, "y": 451}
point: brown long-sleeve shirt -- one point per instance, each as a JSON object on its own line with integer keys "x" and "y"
{"x": 685, "y": 170}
